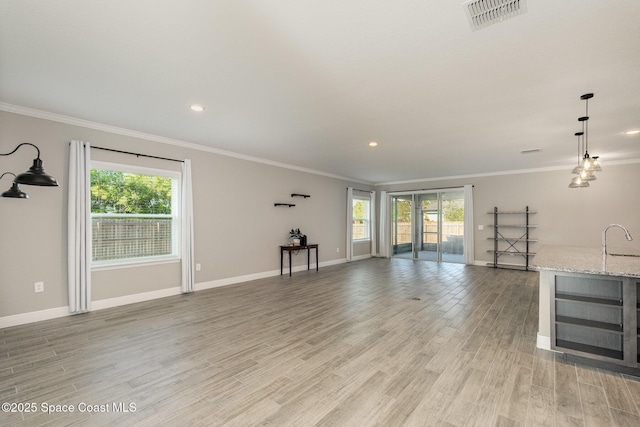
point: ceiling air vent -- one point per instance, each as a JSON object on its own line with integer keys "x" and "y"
{"x": 482, "y": 13}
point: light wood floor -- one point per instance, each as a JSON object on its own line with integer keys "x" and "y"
{"x": 374, "y": 342}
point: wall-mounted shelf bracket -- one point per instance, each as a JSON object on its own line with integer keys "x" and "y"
{"x": 300, "y": 195}
{"x": 289, "y": 205}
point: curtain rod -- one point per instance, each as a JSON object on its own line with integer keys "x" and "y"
{"x": 427, "y": 189}
{"x": 137, "y": 154}
{"x": 364, "y": 191}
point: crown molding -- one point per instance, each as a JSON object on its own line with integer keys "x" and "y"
{"x": 60, "y": 118}
{"x": 508, "y": 172}
{"x": 25, "y": 111}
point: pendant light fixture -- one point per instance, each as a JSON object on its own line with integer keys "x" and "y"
{"x": 586, "y": 174}
{"x": 587, "y": 165}
{"x": 578, "y": 181}
{"x": 14, "y": 192}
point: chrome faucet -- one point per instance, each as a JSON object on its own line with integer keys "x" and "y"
{"x": 604, "y": 241}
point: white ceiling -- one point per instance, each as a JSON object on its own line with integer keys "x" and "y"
{"x": 310, "y": 82}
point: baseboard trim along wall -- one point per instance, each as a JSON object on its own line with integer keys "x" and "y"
{"x": 54, "y": 313}
{"x": 34, "y": 316}
{"x": 263, "y": 275}
{"x": 132, "y": 299}
{"x": 543, "y": 342}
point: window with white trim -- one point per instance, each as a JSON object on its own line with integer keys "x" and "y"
{"x": 135, "y": 214}
{"x": 361, "y": 227}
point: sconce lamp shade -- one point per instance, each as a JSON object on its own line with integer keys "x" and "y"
{"x": 15, "y": 193}
{"x": 36, "y": 176}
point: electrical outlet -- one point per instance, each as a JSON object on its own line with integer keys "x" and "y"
{"x": 39, "y": 286}
{"x": 481, "y": 227}
{"x": 337, "y": 250}
{"x": 198, "y": 267}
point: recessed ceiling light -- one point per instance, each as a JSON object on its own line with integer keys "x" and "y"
{"x": 373, "y": 144}
{"x": 633, "y": 132}
{"x": 197, "y": 108}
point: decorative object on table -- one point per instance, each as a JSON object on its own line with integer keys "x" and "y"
{"x": 297, "y": 238}
{"x": 36, "y": 174}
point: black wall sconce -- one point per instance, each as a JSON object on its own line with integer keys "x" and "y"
{"x": 14, "y": 192}
{"x": 36, "y": 174}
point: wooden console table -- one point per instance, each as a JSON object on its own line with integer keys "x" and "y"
{"x": 291, "y": 248}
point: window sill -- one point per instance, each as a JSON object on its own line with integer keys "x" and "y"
{"x": 361, "y": 240}
{"x": 114, "y": 265}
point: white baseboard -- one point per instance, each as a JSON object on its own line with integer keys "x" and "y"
{"x": 248, "y": 277}
{"x": 53, "y": 313}
{"x": 359, "y": 257}
{"x": 238, "y": 279}
{"x": 131, "y": 299}
{"x": 34, "y": 316}
{"x": 543, "y": 342}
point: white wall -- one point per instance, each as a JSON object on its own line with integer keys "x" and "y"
{"x": 237, "y": 228}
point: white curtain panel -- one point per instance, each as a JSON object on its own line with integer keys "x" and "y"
{"x": 372, "y": 223}
{"x": 79, "y": 227}
{"x": 188, "y": 260}
{"x": 469, "y": 228}
{"x": 384, "y": 225}
{"x": 349, "y": 250}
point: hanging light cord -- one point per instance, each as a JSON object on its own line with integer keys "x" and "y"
{"x": 7, "y": 173}
{"x": 20, "y": 145}
{"x": 579, "y": 135}
{"x": 586, "y": 128}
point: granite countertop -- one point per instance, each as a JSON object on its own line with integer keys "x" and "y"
{"x": 577, "y": 259}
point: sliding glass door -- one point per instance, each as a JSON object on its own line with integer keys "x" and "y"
{"x": 452, "y": 226}
{"x": 401, "y": 226}
{"x": 428, "y": 225}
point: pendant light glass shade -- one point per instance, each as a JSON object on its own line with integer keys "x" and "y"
{"x": 586, "y": 162}
{"x": 587, "y": 175}
{"x": 577, "y": 182}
